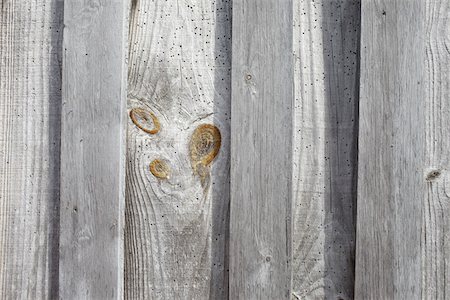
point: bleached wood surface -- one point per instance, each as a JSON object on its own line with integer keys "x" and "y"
{"x": 30, "y": 97}
{"x": 178, "y": 192}
{"x": 177, "y": 195}
{"x": 261, "y": 150}
{"x": 326, "y": 45}
{"x": 391, "y": 179}
{"x": 93, "y": 130}
{"x": 436, "y": 207}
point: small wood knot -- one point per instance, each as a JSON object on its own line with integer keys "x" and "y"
{"x": 204, "y": 147}
{"x": 432, "y": 175}
{"x": 160, "y": 169}
{"x": 145, "y": 120}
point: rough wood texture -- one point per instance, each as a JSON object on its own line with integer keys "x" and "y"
{"x": 30, "y": 97}
{"x": 436, "y": 209}
{"x": 93, "y": 150}
{"x": 391, "y": 182}
{"x": 326, "y": 49}
{"x": 177, "y": 194}
{"x": 261, "y": 153}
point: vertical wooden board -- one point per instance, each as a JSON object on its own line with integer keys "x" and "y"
{"x": 177, "y": 192}
{"x": 93, "y": 150}
{"x": 391, "y": 183}
{"x": 30, "y": 97}
{"x": 326, "y": 52}
{"x": 261, "y": 153}
{"x": 436, "y": 209}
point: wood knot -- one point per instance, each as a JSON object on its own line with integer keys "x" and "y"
{"x": 433, "y": 175}
{"x": 204, "y": 147}
{"x": 145, "y": 120}
{"x": 160, "y": 169}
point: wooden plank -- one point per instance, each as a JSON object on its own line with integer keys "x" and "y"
{"x": 261, "y": 154}
{"x": 391, "y": 183}
{"x": 93, "y": 150}
{"x": 326, "y": 52}
{"x": 177, "y": 208}
{"x": 436, "y": 207}
{"x": 30, "y": 97}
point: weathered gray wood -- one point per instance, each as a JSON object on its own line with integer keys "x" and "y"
{"x": 261, "y": 150}
{"x": 177, "y": 201}
{"x": 326, "y": 48}
{"x": 30, "y": 97}
{"x": 93, "y": 150}
{"x": 436, "y": 209}
{"x": 391, "y": 182}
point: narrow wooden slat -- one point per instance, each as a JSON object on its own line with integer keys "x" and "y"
{"x": 391, "y": 183}
{"x": 326, "y": 52}
{"x": 436, "y": 209}
{"x": 30, "y": 103}
{"x": 261, "y": 153}
{"x": 177, "y": 185}
{"x": 93, "y": 150}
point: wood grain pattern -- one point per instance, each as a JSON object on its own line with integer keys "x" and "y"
{"x": 93, "y": 150}
{"x": 177, "y": 193}
{"x": 261, "y": 150}
{"x": 391, "y": 182}
{"x": 326, "y": 52}
{"x": 436, "y": 207}
{"x": 30, "y": 97}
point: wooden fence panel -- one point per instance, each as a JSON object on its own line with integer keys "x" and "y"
{"x": 326, "y": 52}
{"x": 261, "y": 150}
{"x": 30, "y": 97}
{"x": 93, "y": 150}
{"x": 391, "y": 183}
{"x": 177, "y": 207}
{"x": 179, "y": 148}
{"x": 436, "y": 207}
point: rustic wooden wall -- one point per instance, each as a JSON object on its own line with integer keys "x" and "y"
{"x": 93, "y": 131}
{"x": 435, "y": 239}
{"x": 391, "y": 182}
{"x": 326, "y": 50}
{"x": 262, "y": 101}
{"x": 30, "y": 103}
{"x": 403, "y": 231}
{"x": 177, "y": 207}
{"x": 326, "y": 43}
{"x": 178, "y": 149}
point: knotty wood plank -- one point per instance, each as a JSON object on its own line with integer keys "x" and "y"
{"x": 261, "y": 153}
{"x": 177, "y": 199}
{"x": 30, "y": 97}
{"x": 391, "y": 183}
{"x": 436, "y": 207}
{"x": 326, "y": 52}
{"x": 93, "y": 150}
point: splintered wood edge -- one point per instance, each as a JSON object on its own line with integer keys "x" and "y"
{"x": 146, "y": 115}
